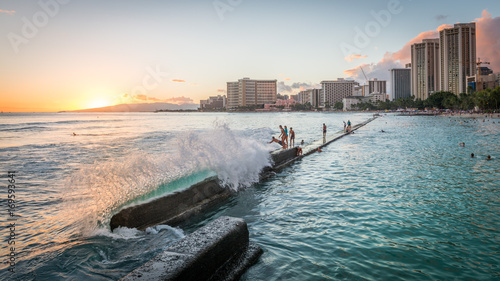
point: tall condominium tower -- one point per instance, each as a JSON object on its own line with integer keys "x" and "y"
{"x": 425, "y": 66}
{"x": 232, "y": 94}
{"x": 334, "y": 91}
{"x": 458, "y": 56}
{"x": 400, "y": 83}
{"x": 377, "y": 86}
{"x": 248, "y": 91}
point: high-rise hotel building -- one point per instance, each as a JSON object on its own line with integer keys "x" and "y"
{"x": 248, "y": 92}
{"x": 377, "y": 86}
{"x": 400, "y": 83}
{"x": 458, "y": 56}
{"x": 425, "y": 68}
{"x": 335, "y": 90}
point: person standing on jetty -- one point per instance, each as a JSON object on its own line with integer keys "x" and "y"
{"x": 283, "y": 135}
{"x": 324, "y": 130}
{"x": 348, "y": 126}
{"x": 344, "y": 126}
{"x": 292, "y": 137}
{"x": 286, "y": 134}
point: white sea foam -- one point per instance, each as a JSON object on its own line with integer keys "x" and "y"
{"x": 97, "y": 190}
{"x": 119, "y": 233}
{"x": 177, "y": 232}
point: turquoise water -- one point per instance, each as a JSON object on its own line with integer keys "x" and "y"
{"x": 405, "y": 204}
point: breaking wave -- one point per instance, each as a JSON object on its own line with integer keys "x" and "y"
{"x": 95, "y": 191}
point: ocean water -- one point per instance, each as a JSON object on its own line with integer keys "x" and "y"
{"x": 405, "y": 204}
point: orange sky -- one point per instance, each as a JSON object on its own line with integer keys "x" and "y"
{"x": 183, "y": 51}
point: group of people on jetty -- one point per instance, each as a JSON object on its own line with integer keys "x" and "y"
{"x": 287, "y": 138}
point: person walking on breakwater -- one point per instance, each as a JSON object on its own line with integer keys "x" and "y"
{"x": 283, "y": 135}
{"x": 278, "y": 141}
{"x": 292, "y": 137}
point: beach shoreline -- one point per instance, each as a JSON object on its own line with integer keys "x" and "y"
{"x": 472, "y": 115}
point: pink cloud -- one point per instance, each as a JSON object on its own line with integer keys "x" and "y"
{"x": 178, "y": 80}
{"x": 141, "y": 97}
{"x": 8, "y": 12}
{"x": 488, "y": 41}
{"x": 287, "y": 79}
{"x": 354, "y": 57}
{"x": 221, "y": 90}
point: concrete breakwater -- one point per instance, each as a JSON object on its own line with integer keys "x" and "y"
{"x": 219, "y": 250}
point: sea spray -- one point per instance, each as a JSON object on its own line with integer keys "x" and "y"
{"x": 96, "y": 191}
{"x": 236, "y": 160}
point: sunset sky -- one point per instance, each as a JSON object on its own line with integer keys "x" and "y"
{"x": 72, "y": 54}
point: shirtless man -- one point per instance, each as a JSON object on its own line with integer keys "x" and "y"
{"x": 292, "y": 137}
{"x": 278, "y": 141}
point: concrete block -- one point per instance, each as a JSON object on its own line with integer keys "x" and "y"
{"x": 218, "y": 251}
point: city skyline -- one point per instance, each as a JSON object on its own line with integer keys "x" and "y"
{"x": 69, "y": 55}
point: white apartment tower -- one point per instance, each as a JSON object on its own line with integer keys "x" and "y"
{"x": 458, "y": 56}
{"x": 400, "y": 83}
{"x": 335, "y": 90}
{"x": 232, "y": 94}
{"x": 248, "y": 92}
{"x": 425, "y": 68}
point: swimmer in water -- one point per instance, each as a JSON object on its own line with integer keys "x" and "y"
{"x": 472, "y": 155}
{"x": 488, "y": 157}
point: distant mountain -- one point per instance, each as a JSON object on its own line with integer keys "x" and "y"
{"x": 141, "y": 107}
